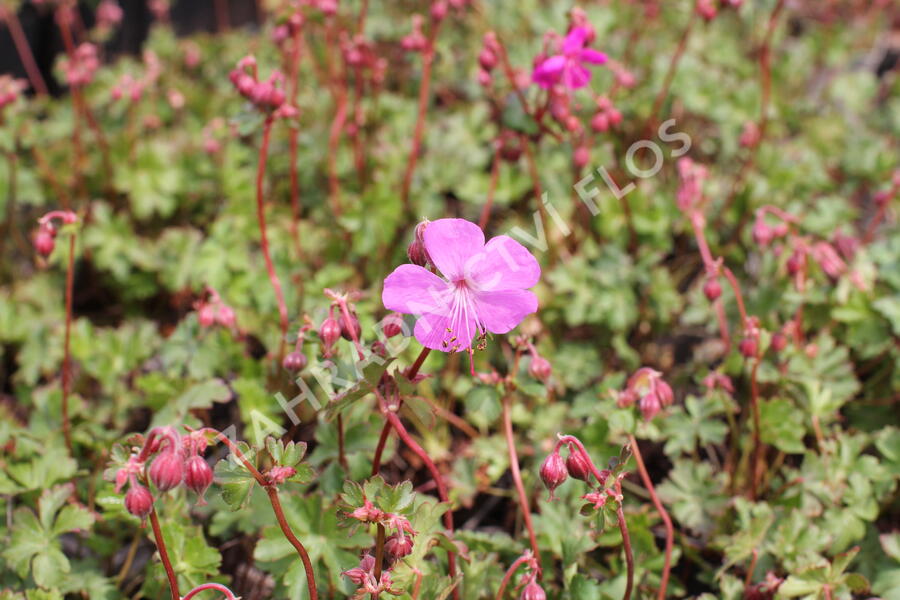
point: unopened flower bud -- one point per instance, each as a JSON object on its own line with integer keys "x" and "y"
{"x": 533, "y": 591}
{"x": 393, "y": 325}
{"x": 487, "y": 59}
{"x": 167, "y": 470}
{"x": 279, "y": 474}
{"x": 225, "y": 315}
{"x": 796, "y": 262}
{"x": 577, "y": 465}
{"x": 650, "y": 406}
{"x": 553, "y": 471}
{"x": 600, "y": 122}
{"x": 138, "y": 500}
{"x": 581, "y": 157}
{"x": 747, "y": 347}
{"x": 294, "y": 361}
{"x": 762, "y": 233}
{"x": 439, "y": 10}
{"x": 397, "y": 546}
{"x": 329, "y": 332}
{"x": 779, "y": 342}
{"x": 43, "y": 242}
{"x": 485, "y": 79}
{"x": 351, "y": 329}
{"x": 540, "y": 368}
{"x": 206, "y": 315}
{"x": 198, "y": 476}
{"x": 712, "y": 289}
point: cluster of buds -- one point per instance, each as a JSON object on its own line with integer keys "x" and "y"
{"x": 79, "y": 69}
{"x": 176, "y": 460}
{"x": 647, "y": 388}
{"x": 213, "y": 310}
{"x": 44, "y": 238}
{"x": 763, "y": 233}
{"x": 159, "y": 9}
{"x": 266, "y": 96}
{"x": 488, "y": 59}
{"x": 360, "y": 54}
{"x": 690, "y": 188}
{"x": 289, "y": 29}
{"x": 10, "y": 89}
{"x": 398, "y": 545}
{"x": 128, "y": 87}
{"x": 344, "y": 325}
{"x": 531, "y": 589}
{"x": 749, "y": 344}
{"x": 718, "y": 381}
{"x": 415, "y": 40}
{"x": 109, "y": 14}
{"x": 606, "y": 116}
{"x": 555, "y": 470}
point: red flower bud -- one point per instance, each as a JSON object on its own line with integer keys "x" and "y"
{"x": 712, "y": 289}
{"x": 43, "y": 242}
{"x": 138, "y": 500}
{"x": 553, "y": 472}
{"x": 225, "y": 315}
{"x": 796, "y": 262}
{"x": 294, "y": 361}
{"x": 762, "y": 233}
{"x": 487, "y": 59}
{"x": 747, "y": 347}
{"x": 167, "y": 470}
{"x": 198, "y": 476}
{"x": 650, "y": 405}
{"x": 779, "y": 342}
{"x": 600, "y": 122}
{"x": 350, "y": 329}
{"x": 329, "y": 332}
{"x": 393, "y": 325}
{"x": 581, "y": 157}
{"x": 206, "y": 315}
{"x": 397, "y": 546}
{"x": 533, "y": 591}
{"x": 577, "y": 465}
{"x": 540, "y": 368}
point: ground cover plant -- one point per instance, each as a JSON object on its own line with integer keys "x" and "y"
{"x": 453, "y": 299}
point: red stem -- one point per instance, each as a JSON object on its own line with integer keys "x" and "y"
{"x": 492, "y": 186}
{"x": 626, "y": 542}
{"x": 264, "y": 239}
{"x": 667, "y": 521}
{"x": 509, "y": 573}
{"x": 163, "y": 554}
{"x": 229, "y": 595}
{"x": 397, "y": 425}
{"x": 418, "y": 132}
{"x": 517, "y": 479}
{"x": 24, "y": 49}
{"x": 67, "y": 357}
{"x": 757, "y": 442}
{"x": 379, "y": 557}
{"x": 222, "y": 16}
{"x": 272, "y": 492}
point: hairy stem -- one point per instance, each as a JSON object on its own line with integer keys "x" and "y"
{"x": 626, "y": 542}
{"x": 264, "y": 239}
{"x": 164, "y": 554}
{"x": 272, "y": 492}
{"x": 517, "y": 479}
{"x": 379, "y": 557}
{"x": 67, "y": 353}
{"x": 667, "y": 521}
{"x": 24, "y": 50}
{"x": 419, "y": 131}
{"x": 509, "y": 574}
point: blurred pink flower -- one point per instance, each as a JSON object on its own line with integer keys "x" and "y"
{"x": 568, "y": 67}
{"x": 484, "y": 287}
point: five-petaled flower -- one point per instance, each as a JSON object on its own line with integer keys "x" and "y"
{"x": 484, "y": 286}
{"x": 568, "y": 66}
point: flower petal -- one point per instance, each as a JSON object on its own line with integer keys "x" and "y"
{"x": 575, "y": 76}
{"x": 447, "y": 332}
{"x": 574, "y": 40}
{"x": 504, "y": 264}
{"x": 589, "y": 55}
{"x": 547, "y": 74}
{"x": 500, "y": 311}
{"x": 413, "y": 290}
{"x": 450, "y": 243}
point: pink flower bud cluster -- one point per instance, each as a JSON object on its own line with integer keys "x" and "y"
{"x": 267, "y": 95}
{"x": 398, "y": 545}
{"x": 690, "y": 189}
{"x": 44, "y": 238}
{"x": 554, "y": 470}
{"x": 214, "y": 311}
{"x": 128, "y": 87}
{"x": 646, "y": 388}
{"x": 606, "y": 115}
{"x": 488, "y": 59}
{"x": 108, "y": 14}
{"x": 415, "y": 40}
{"x": 80, "y": 68}
{"x": 178, "y": 459}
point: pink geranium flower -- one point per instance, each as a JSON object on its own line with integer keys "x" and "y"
{"x": 568, "y": 67}
{"x": 483, "y": 288}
